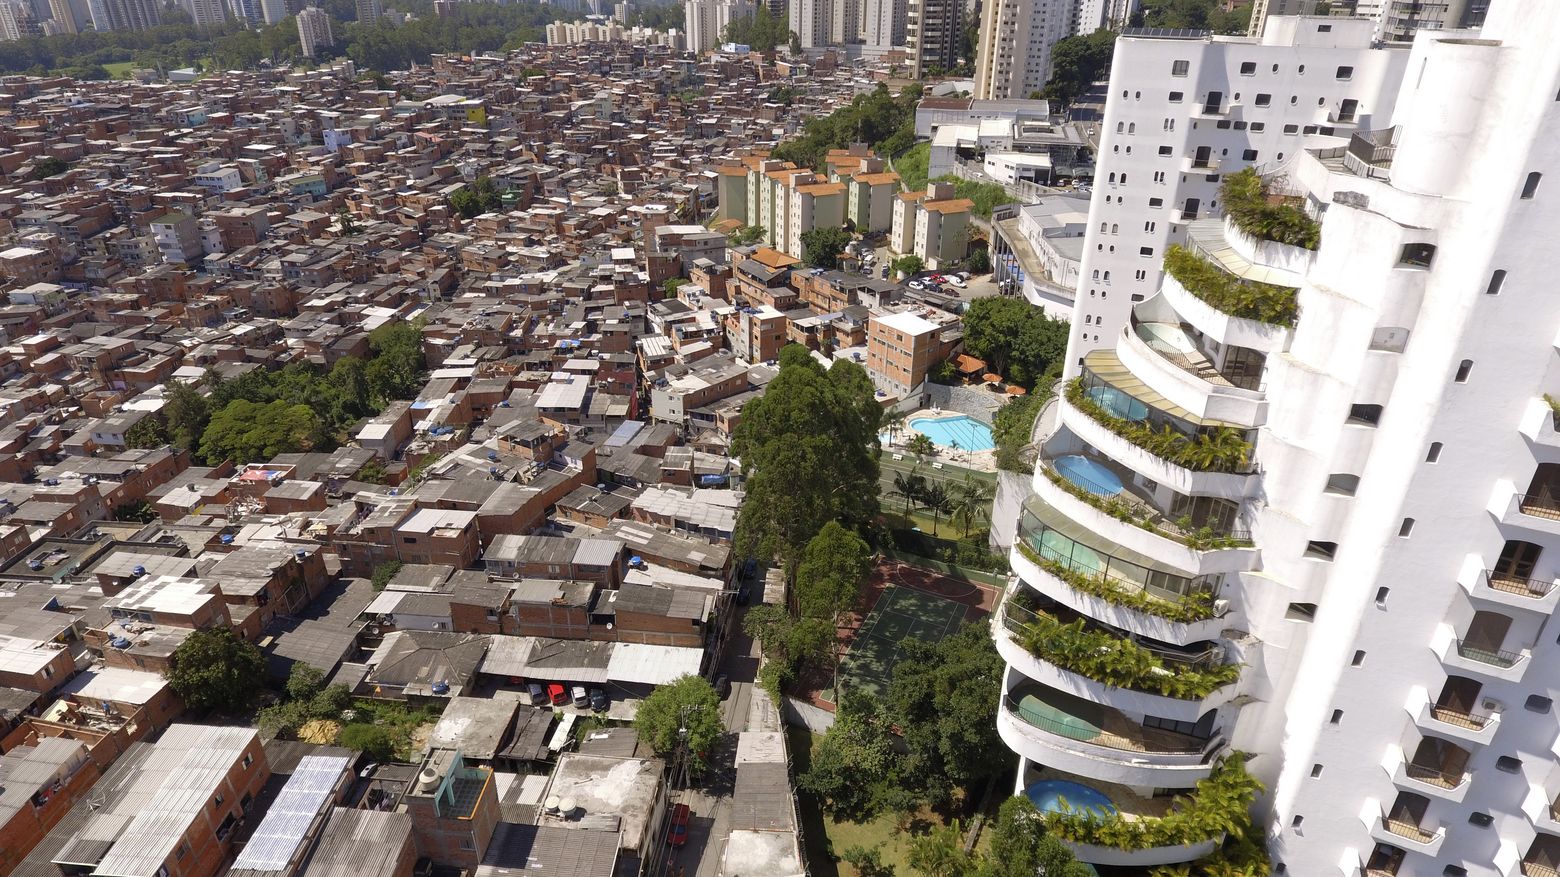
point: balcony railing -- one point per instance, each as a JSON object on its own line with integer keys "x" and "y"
{"x": 1540, "y": 506}
{"x": 1434, "y": 775}
{"x": 1493, "y": 657}
{"x": 1144, "y": 743}
{"x": 1125, "y": 506}
{"x": 1458, "y": 718}
{"x": 1509, "y": 584}
{"x": 1538, "y": 869}
{"x": 1408, "y": 830}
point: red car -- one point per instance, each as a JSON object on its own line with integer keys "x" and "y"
{"x": 558, "y": 694}
{"x": 677, "y": 834}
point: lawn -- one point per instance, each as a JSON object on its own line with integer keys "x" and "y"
{"x": 826, "y": 838}
{"x": 408, "y": 728}
{"x": 119, "y": 69}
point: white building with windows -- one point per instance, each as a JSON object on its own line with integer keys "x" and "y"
{"x": 1013, "y": 55}
{"x": 1184, "y": 111}
{"x": 1308, "y": 501}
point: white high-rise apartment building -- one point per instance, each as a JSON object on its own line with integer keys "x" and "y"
{"x": 1013, "y": 57}
{"x": 845, "y": 21}
{"x": 1108, "y": 14}
{"x": 884, "y": 23}
{"x": 17, "y": 22}
{"x": 314, "y": 30}
{"x": 207, "y": 13}
{"x": 812, "y": 21}
{"x": 706, "y": 20}
{"x": 1353, "y": 578}
{"x": 273, "y": 11}
{"x": 933, "y": 30}
{"x": 370, "y": 11}
{"x": 1184, "y": 112}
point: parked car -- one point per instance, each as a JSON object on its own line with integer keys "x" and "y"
{"x": 885, "y": 272}
{"x": 677, "y": 833}
{"x": 750, "y": 568}
{"x": 581, "y": 697}
{"x": 557, "y": 694}
{"x": 917, "y": 284}
{"x": 723, "y": 686}
{"x": 538, "y": 696}
{"x": 962, "y": 275}
{"x": 954, "y": 280}
{"x": 599, "y": 701}
{"x": 744, "y": 594}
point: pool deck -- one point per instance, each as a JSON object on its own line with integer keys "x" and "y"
{"x": 984, "y": 461}
{"x": 1128, "y": 803}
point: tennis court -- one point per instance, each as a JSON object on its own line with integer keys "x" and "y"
{"x": 900, "y": 614}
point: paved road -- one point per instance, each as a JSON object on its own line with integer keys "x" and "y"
{"x": 710, "y": 798}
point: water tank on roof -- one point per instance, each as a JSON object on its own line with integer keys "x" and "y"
{"x": 441, "y": 688}
{"x": 492, "y": 455}
{"x": 35, "y": 564}
{"x": 428, "y": 780}
{"x": 119, "y": 642}
{"x": 567, "y": 806}
{"x": 138, "y": 571}
{"x": 227, "y": 539}
{"x": 301, "y": 554}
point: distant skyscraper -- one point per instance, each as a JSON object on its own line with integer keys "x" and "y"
{"x": 884, "y": 23}
{"x": 1013, "y": 58}
{"x": 64, "y": 17}
{"x": 124, "y": 14}
{"x": 845, "y": 21}
{"x": 273, "y": 10}
{"x": 622, "y": 10}
{"x": 246, "y": 10}
{"x": 207, "y": 13}
{"x": 811, "y": 21}
{"x": 17, "y": 22}
{"x": 370, "y": 11}
{"x": 314, "y": 31}
{"x": 932, "y": 31}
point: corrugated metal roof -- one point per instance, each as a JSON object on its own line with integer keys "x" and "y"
{"x": 652, "y": 665}
{"x": 358, "y": 842}
{"x": 534, "y": 849}
{"x": 292, "y": 818}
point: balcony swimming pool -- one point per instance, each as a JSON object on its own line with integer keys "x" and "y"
{"x": 1088, "y": 474}
{"x": 961, "y": 431}
{"x": 1065, "y": 796}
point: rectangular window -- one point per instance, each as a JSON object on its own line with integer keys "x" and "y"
{"x": 1264, "y": 100}
{"x": 1165, "y": 150}
{"x": 1345, "y": 72}
{"x": 1156, "y": 202}
{"x": 1291, "y": 129}
{"x": 1176, "y": 97}
{"x": 1145, "y": 251}
{"x": 1258, "y": 127}
{"x": 1248, "y": 68}
{"x": 1180, "y": 68}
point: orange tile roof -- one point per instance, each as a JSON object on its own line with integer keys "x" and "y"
{"x": 727, "y": 170}
{"x": 911, "y": 196}
{"x": 772, "y": 258}
{"x": 818, "y": 189}
{"x": 877, "y": 178}
{"x": 727, "y": 226}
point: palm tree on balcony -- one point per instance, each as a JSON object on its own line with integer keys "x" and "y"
{"x": 1223, "y": 450}
{"x": 971, "y": 502}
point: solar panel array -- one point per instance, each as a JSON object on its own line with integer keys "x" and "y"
{"x": 302, "y": 800}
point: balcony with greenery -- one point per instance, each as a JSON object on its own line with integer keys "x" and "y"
{"x": 1132, "y": 509}
{"x": 1198, "y": 448}
{"x": 1258, "y": 212}
{"x": 1111, "y": 659}
{"x": 1218, "y": 807}
{"x": 1098, "y": 574}
{"x": 1247, "y": 299}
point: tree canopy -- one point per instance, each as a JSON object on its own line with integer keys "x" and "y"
{"x": 1077, "y": 63}
{"x": 808, "y": 449}
{"x": 943, "y": 697}
{"x": 690, "y": 704}
{"x": 877, "y": 118}
{"x": 834, "y": 566}
{"x": 854, "y": 765}
{"x": 213, "y": 669}
{"x": 764, "y": 31}
{"x": 1015, "y": 339}
{"x": 480, "y": 197}
{"x": 821, "y": 247}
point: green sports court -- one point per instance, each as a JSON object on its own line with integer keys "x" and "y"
{"x": 901, "y": 613}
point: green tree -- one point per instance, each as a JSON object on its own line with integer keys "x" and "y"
{"x": 971, "y": 502}
{"x": 790, "y": 645}
{"x": 747, "y": 234}
{"x": 979, "y": 261}
{"x": 821, "y": 247}
{"x": 909, "y": 486}
{"x": 187, "y": 413}
{"x": 1016, "y": 339}
{"x": 940, "y": 853}
{"x": 304, "y": 681}
{"x": 922, "y": 447}
{"x": 762, "y": 32}
{"x": 851, "y": 763}
{"x": 937, "y": 500}
{"x": 943, "y": 697}
{"x": 371, "y": 740}
{"x": 478, "y": 197}
{"x": 213, "y": 669}
{"x": 808, "y": 449}
{"x": 834, "y": 566}
{"x": 1021, "y": 847}
{"x": 46, "y": 167}
{"x": 346, "y": 226}
{"x": 686, "y": 711}
{"x": 148, "y": 432}
{"x": 138, "y": 511}
{"x": 1077, "y": 63}
{"x": 908, "y": 265}
{"x": 384, "y": 572}
{"x": 247, "y": 432}
{"x": 670, "y": 285}
{"x": 868, "y": 861}
{"x": 1013, "y": 425}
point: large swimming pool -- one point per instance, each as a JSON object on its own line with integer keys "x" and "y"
{"x": 962, "y": 430}
{"x": 1065, "y": 796}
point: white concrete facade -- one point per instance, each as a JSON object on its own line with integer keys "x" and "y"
{"x": 811, "y": 21}
{"x": 884, "y": 23}
{"x": 1181, "y": 113}
{"x": 1395, "y": 529}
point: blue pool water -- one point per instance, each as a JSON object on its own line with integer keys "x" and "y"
{"x": 1088, "y": 474}
{"x": 970, "y": 434}
{"x": 1061, "y": 796}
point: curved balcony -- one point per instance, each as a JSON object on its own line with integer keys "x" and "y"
{"x": 1083, "y": 573}
{"x": 1111, "y": 410}
{"x": 1124, "y": 524}
{"x": 1166, "y": 359}
{"x": 1222, "y": 327}
{"x": 1123, "y": 803}
{"x": 1030, "y": 643}
{"x": 1091, "y": 740}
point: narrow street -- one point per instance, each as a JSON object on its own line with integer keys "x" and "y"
{"x": 710, "y": 799}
